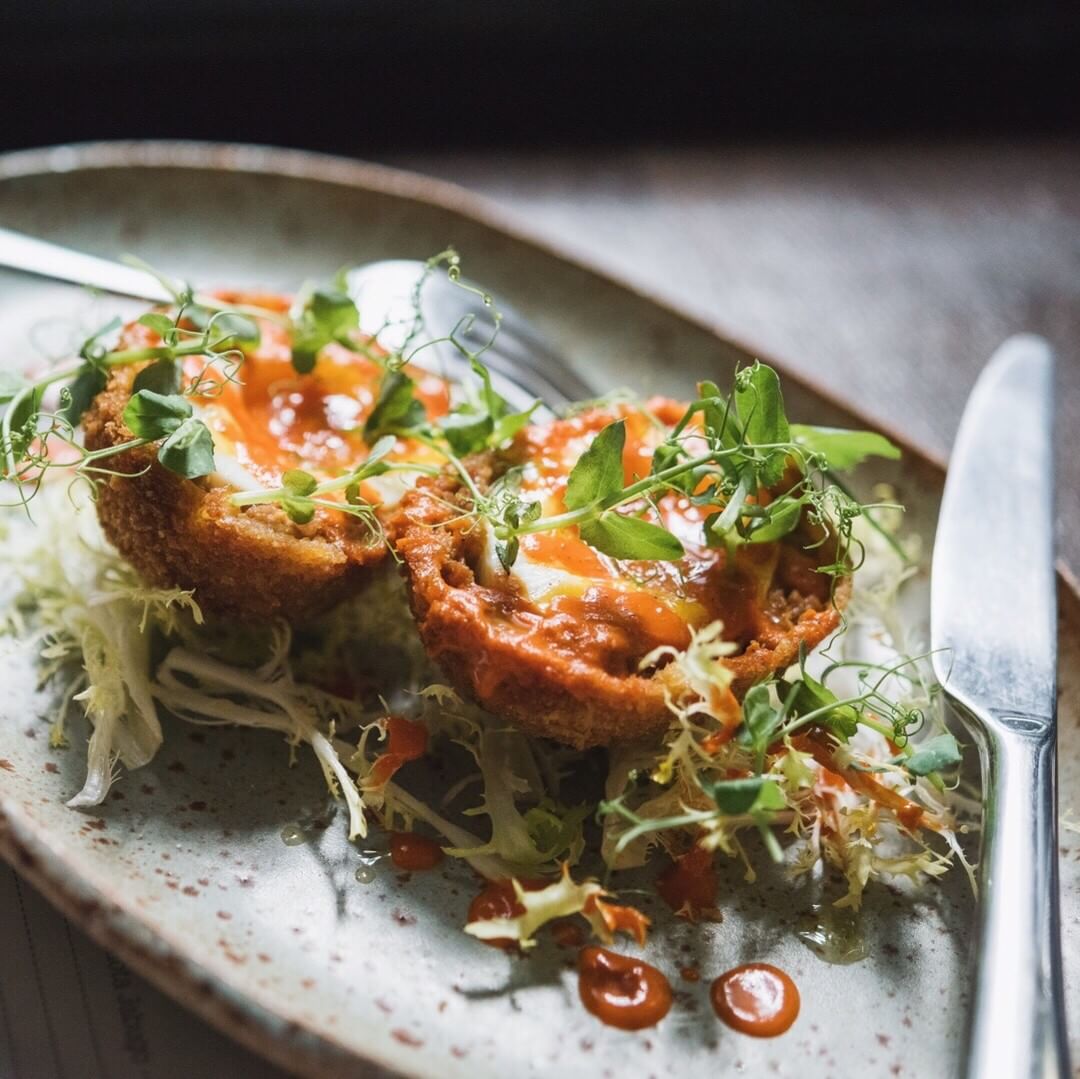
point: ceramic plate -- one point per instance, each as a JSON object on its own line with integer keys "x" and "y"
{"x": 184, "y": 873}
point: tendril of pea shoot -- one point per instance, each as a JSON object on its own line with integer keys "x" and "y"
{"x": 772, "y": 712}
{"x": 735, "y": 455}
{"x": 36, "y": 438}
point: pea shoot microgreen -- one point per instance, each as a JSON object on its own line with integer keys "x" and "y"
{"x": 322, "y": 316}
{"x": 301, "y": 493}
{"x": 735, "y": 455}
{"x": 31, "y": 433}
{"x": 771, "y": 713}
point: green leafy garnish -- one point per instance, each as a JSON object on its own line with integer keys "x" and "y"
{"x": 734, "y": 456}
{"x": 162, "y": 377}
{"x": 598, "y": 474}
{"x": 934, "y": 755}
{"x": 189, "y": 450}
{"x": 153, "y": 415}
{"x": 396, "y": 408}
{"x": 620, "y": 536}
{"x": 807, "y": 695}
{"x": 326, "y": 316}
{"x": 760, "y": 406}
{"x": 761, "y": 720}
{"x": 842, "y": 450}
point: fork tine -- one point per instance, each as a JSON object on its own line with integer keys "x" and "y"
{"x": 519, "y": 352}
{"x": 527, "y": 355}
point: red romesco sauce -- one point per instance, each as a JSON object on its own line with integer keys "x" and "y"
{"x": 406, "y": 741}
{"x": 499, "y": 900}
{"x": 622, "y": 991}
{"x": 413, "y": 852}
{"x": 688, "y": 886}
{"x": 756, "y": 999}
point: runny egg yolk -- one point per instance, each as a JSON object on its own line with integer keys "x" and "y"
{"x": 651, "y": 603}
{"x": 269, "y": 418}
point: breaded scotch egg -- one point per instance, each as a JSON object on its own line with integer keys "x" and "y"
{"x": 252, "y": 562}
{"x": 556, "y": 643}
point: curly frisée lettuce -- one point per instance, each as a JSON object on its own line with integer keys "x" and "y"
{"x": 91, "y": 620}
{"x": 94, "y": 626}
{"x": 561, "y": 899}
{"x": 847, "y": 754}
{"x": 843, "y": 762}
{"x": 204, "y": 690}
{"x": 518, "y": 778}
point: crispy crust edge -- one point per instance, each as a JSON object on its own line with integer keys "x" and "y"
{"x": 573, "y": 703}
{"x": 250, "y": 563}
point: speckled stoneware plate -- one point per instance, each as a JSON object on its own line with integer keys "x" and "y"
{"x": 183, "y": 871}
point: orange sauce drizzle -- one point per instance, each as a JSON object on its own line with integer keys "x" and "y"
{"x": 756, "y": 999}
{"x": 622, "y": 991}
{"x": 406, "y": 741}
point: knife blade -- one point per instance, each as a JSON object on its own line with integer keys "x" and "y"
{"x": 993, "y": 633}
{"x": 993, "y": 613}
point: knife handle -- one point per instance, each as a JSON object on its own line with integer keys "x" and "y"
{"x": 1017, "y": 1025}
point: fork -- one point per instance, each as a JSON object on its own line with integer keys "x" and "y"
{"x": 525, "y": 365}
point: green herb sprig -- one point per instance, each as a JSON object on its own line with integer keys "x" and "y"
{"x": 159, "y": 409}
{"x": 301, "y": 494}
{"x": 742, "y": 459}
{"x": 774, "y": 710}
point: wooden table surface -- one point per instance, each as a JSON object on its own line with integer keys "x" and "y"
{"x": 887, "y": 273}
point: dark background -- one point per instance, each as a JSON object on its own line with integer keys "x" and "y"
{"x": 370, "y": 76}
{"x": 875, "y": 192}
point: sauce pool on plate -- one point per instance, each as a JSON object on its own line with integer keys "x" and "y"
{"x": 756, "y": 999}
{"x": 499, "y": 900}
{"x": 622, "y": 991}
{"x": 410, "y": 851}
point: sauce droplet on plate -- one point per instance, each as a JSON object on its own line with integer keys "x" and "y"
{"x": 622, "y": 991}
{"x": 756, "y": 999}
{"x": 499, "y": 900}
{"x": 411, "y": 851}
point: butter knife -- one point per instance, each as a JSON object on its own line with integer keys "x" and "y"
{"x": 994, "y": 635}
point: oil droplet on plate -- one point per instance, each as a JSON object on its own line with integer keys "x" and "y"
{"x": 365, "y": 874}
{"x": 292, "y": 835}
{"x": 833, "y": 934}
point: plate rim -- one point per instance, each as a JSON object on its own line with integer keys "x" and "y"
{"x": 289, "y": 1044}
